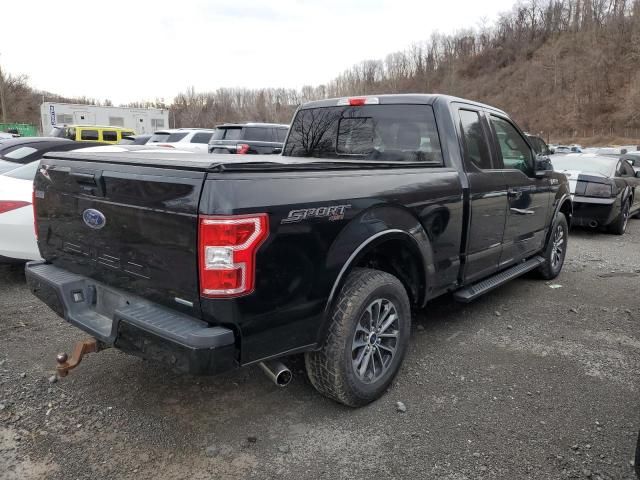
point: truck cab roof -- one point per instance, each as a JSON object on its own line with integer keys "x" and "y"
{"x": 396, "y": 98}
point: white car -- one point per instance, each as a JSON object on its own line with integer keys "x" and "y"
{"x": 192, "y": 139}
{"x": 18, "y": 240}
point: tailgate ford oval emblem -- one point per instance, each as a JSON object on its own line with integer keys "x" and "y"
{"x": 94, "y": 218}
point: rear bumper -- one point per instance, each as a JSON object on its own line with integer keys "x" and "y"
{"x": 133, "y": 324}
{"x": 586, "y": 211}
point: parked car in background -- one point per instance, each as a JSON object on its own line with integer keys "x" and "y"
{"x": 615, "y": 150}
{"x": 16, "y": 152}
{"x": 91, "y": 133}
{"x": 194, "y": 139}
{"x": 539, "y": 145}
{"x": 605, "y": 189}
{"x": 568, "y": 149}
{"x": 6, "y": 136}
{"x": 562, "y": 149}
{"x": 141, "y": 139}
{"x": 249, "y": 138}
{"x": 18, "y": 240}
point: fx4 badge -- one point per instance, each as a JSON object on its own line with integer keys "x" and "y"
{"x": 331, "y": 213}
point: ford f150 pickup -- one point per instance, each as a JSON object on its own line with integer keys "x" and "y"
{"x": 377, "y": 205}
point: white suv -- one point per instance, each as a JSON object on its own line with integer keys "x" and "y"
{"x": 192, "y": 139}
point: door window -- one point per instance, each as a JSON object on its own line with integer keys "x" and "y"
{"x": 258, "y": 134}
{"x": 109, "y": 136}
{"x": 281, "y": 134}
{"x": 475, "y": 142}
{"x": 201, "y": 137}
{"x": 625, "y": 170}
{"x": 516, "y": 153}
{"x": 89, "y": 135}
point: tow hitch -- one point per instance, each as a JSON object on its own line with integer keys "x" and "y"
{"x": 90, "y": 345}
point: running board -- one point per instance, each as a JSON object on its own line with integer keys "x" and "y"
{"x": 470, "y": 293}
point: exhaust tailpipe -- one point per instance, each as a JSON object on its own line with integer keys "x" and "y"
{"x": 277, "y": 372}
{"x": 593, "y": 224}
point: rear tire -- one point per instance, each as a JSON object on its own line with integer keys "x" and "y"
{"x": 619, "y": 225}
{"x": 556, "y": 249}
{"x": 367, "y": 339}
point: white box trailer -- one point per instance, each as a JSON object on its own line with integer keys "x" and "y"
{"x": 142, "y": 120}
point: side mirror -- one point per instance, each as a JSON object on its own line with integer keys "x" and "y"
{"x": 543, "y": 165}
{"x": 637, "y": 174}
{"x": 277, "y": 150}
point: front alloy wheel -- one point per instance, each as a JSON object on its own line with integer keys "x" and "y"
{"x": 557, "y": 250}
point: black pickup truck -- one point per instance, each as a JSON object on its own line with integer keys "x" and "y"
{"x": 377, "y": 205}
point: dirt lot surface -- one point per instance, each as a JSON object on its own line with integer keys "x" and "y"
{"x": 536, "y": 380}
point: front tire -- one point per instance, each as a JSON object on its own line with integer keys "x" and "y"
{"x": 556, "y": 249}
{"x": 367, "y": 339}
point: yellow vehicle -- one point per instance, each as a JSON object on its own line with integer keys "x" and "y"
{"x": 91, "y": 133}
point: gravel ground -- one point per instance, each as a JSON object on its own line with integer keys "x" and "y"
{"x": 530, "y": 381}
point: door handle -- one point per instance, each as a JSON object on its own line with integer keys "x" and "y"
{"x": 521, "y": 211}
{"x": 83, "y": 177}
{"x": 515, "y": 194}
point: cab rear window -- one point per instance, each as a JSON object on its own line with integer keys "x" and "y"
{"x": 233, "y": 133}
{"x": 370, "y": 132}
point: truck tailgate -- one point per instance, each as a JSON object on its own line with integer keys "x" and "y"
{"x": 133, "y": 227}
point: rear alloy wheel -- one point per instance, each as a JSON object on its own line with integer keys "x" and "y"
{"x": 619, "y": 226}
{"x": 367, "y": 339}
{"x": 375, "y": 340}
{"x": 556, "y": 250}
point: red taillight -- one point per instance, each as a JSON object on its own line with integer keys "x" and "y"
{"x": 242, "y": 148}
{"x": 8, "y": 205}
{"x": 227, "y": 251}
{"x": 357, "y": 102}
{"x": 35, "y": 214}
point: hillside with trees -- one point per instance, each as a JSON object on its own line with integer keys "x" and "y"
{"x": 562, "y": 67}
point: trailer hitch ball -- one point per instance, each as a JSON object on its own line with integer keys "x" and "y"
{"x": 66, "y": 363}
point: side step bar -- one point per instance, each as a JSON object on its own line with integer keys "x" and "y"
{"x": 470, "y": 293}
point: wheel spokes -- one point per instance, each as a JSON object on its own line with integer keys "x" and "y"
{"x": 375, "y": 339}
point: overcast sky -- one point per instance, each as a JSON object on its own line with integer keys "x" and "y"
{"x": 139, "y": 50}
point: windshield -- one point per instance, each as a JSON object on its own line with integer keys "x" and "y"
{"x": 601, "y": 165}
{"x": 370, "y": 132}
{"x": 25, "y": 172}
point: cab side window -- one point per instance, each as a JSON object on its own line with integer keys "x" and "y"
{"x": 109, "y": 136}
{"x": 89, "y": 135}
{"x": 202, "y": 137}
{"x": 516, "y": 153}
{"x": 475, "y": 142}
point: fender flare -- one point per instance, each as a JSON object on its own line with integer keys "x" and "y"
{"x": 371, "y": 241}
{"x": 378, "y": 238}
{"x": 566, "y": 197}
